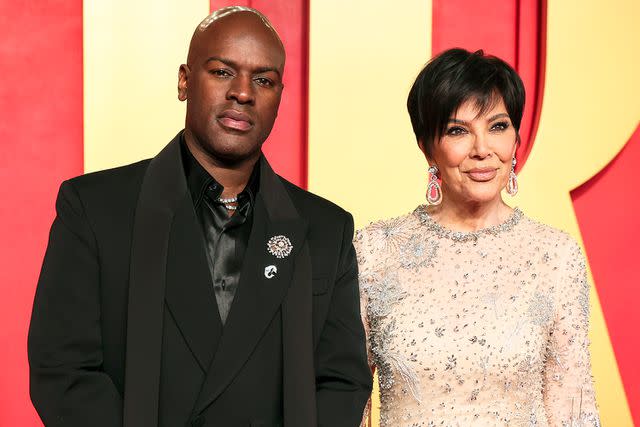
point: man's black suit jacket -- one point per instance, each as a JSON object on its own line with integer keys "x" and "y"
{"x": 125, "y": 322}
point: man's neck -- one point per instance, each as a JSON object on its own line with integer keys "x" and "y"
{"x": 232, "y": 176}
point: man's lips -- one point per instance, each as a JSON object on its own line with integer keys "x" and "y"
{"x": 482, "y": 174}
{"x": 235, "y": 120}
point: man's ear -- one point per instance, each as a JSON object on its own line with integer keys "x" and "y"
{"x": 183, "y": 77}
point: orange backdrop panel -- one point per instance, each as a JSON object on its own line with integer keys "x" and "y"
{"x": 607, "y": 208}
{"x": 41, "y": 134}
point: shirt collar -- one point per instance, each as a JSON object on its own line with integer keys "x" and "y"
{"x": 198, "y": 179}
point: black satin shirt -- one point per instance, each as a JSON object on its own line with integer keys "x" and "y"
{"x": 226, "y": 237}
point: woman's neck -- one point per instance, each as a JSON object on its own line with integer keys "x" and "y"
{"x": 470, "y": 216}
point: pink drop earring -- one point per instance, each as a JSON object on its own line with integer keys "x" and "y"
{"x": 434, "y": 192}
{"x": 512, "y": 183}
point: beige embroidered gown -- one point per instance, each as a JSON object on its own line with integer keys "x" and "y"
{"x": 487, "y": 328}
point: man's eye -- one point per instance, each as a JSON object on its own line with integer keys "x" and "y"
{"x": 455, "y": 130}
{"x": 500, "y": 126}
{"x": 220, "y": 73}
{"x": 263, "y": 81}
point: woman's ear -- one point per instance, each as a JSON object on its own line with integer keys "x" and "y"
{"x": 424, "y": 151}
{"x": 515, "y": 147}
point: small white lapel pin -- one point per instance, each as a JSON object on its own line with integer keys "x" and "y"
{"x": 270, "y": 271}
{"x": 279, "y": 246}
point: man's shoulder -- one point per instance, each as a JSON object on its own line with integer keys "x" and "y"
{"x": 314, "y": 207}
{"x": 120, "y": 179}
{"x": 108, "y": 193}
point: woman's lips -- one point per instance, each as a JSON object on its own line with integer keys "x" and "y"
{"x": 235, "y": 120}
{"x": 482, "y": 175}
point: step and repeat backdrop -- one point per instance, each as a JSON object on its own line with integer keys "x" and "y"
{"x": 91, "y": 85}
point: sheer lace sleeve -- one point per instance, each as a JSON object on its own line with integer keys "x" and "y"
{"x": 360, "y": 243}
{"x": 569, "y": 396}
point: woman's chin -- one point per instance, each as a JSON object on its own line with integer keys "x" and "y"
{"x": 482, "y": 197}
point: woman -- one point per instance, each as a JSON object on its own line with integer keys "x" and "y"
{"x": 475, "y": 313}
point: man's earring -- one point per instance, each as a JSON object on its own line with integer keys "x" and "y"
{"x": 512, "y": 183}
{"x": 434, "y": 192}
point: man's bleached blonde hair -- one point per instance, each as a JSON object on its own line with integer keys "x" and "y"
{"x": 226, "y": 11}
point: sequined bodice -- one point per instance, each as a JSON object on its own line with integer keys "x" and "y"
{"x": 486, "y": 328}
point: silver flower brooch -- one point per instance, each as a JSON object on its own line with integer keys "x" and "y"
{"x": 279, "y": 246}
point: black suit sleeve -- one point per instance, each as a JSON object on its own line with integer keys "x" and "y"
{"x": 67, "y": 384}
{"x": 343, "y": 377}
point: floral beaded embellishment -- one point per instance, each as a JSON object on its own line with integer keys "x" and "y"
{"x": 279, "y": 246}
{"x": 466, "y": 236}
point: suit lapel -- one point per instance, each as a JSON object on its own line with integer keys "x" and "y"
{"x": 298, "y": 382}
{"x": 189, "y": 294}
{"x": 258, "y": 298}
{"x": 162, "y": 190}
{"x": 297, "y": 348}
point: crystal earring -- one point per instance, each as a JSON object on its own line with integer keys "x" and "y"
{"x": 434, "y": 192}
{"x": 512, "y": 183}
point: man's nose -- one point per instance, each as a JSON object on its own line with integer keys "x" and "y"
{"x": 241, "y": 90}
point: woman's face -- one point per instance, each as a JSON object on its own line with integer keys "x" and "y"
{"x": 474, "y": 155}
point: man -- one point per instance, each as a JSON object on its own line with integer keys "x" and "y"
{"x": 199, "y": 288}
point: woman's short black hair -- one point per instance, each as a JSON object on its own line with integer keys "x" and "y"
{"x": 452, "y": 78}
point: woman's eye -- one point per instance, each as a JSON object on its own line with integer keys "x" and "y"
{"x": 455, "y": 130}
{"x": 500, "y": 126}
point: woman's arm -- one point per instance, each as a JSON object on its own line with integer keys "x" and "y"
{"x": 360, "y": 244}
{"x": 569, "y": 396}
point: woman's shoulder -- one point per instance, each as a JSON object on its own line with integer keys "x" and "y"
{"x": 551, "y": 239}
{"x": 379, "y": 245}
{"x": 387, "y": 232}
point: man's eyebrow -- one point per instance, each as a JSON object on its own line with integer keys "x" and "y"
{"x": 267, "y": 69}
{"x": 232, "y": 64}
